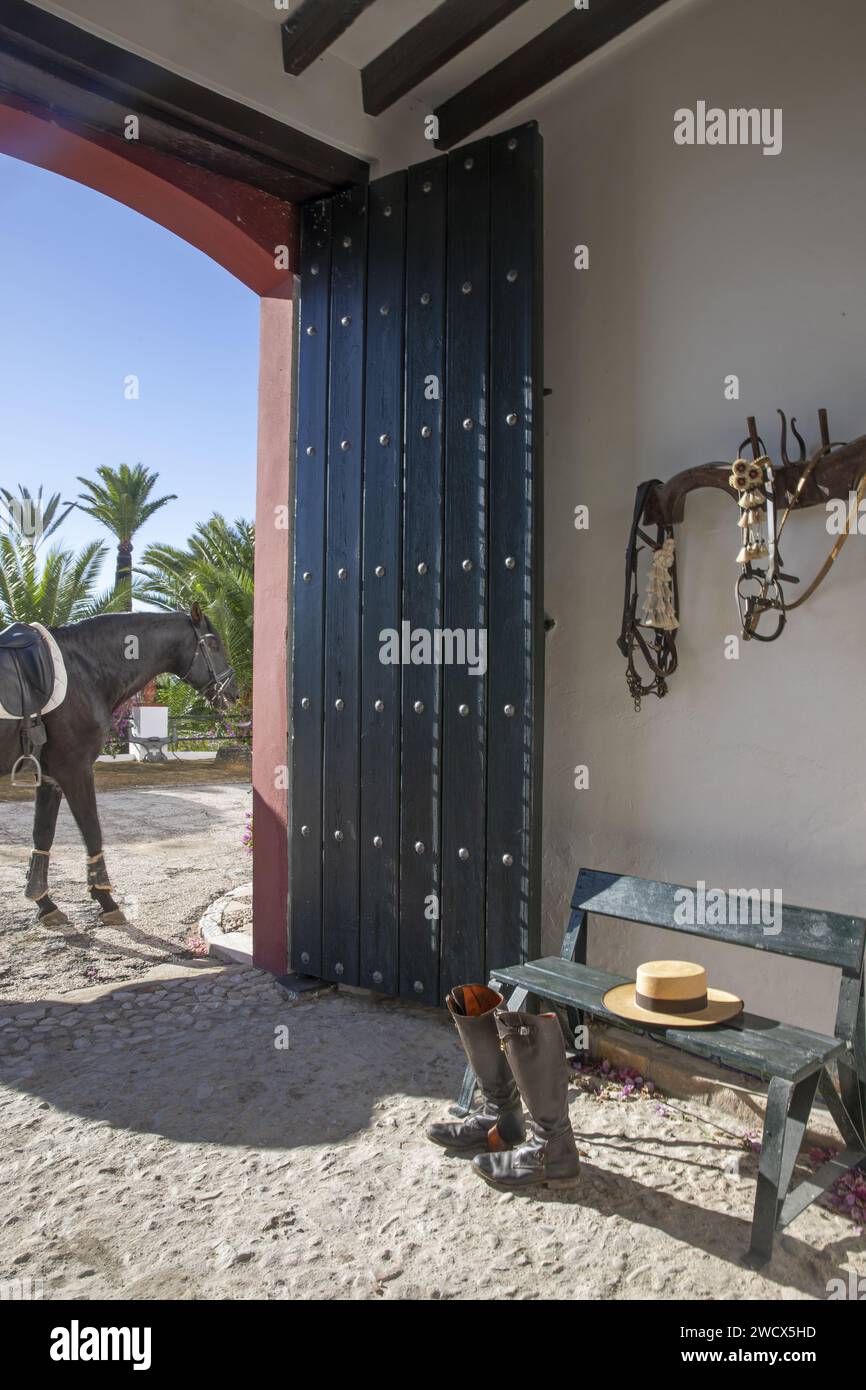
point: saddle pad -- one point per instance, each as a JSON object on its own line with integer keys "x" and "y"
{"x": 42, "y": 671}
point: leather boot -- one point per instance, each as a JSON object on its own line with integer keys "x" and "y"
{"x": 498, "y": 1123}
{"x": 535, "y": 1049}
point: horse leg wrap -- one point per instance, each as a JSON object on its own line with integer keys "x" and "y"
{"x": 97, "y": 873}
{"x": 101, "y": 890}
{"x": 37, "y": 875}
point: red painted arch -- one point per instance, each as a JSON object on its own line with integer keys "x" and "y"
{"x": 254, "y": 236}
{"x": 241, "y": 228}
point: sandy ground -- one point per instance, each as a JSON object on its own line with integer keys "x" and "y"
{"x": 159, "y": 1143}
{"x": 170, "y": 851}
{"x": 199, "y": 1133}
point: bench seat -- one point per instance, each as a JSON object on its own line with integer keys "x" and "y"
{"x": 759, "y": 1046}
{"x": 798, "y": 1065}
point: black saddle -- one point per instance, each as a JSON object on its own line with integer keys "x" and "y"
{"x": 26, "y": 671}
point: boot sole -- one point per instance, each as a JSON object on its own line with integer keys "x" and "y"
{"x": 552, "y": 1183}
{"x": 457, "y": 1148}
{"x": 480, "y": 1148}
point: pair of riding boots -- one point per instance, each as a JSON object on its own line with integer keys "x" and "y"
{"x": 514, "y": 1056}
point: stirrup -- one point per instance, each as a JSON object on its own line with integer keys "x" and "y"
{"x": 20, "y": 778}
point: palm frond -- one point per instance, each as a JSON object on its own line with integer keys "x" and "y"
{"x": 215, "y": 570}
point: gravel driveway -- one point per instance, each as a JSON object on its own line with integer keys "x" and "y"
{"x": 170, "y": 851}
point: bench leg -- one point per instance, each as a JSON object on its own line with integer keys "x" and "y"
{"x": 466, "y": 1094}
{"x": 788, "y": 1110}
{"x": 847, "y": 1124}
{"x": 853, "y": 1094}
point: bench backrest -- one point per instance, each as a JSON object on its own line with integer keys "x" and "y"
{"x": 803, "y": 932}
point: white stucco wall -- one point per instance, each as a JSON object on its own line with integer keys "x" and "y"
{"x": 703, "y": 262}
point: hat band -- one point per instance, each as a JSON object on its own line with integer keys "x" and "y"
{"x": 670, "y": 1006}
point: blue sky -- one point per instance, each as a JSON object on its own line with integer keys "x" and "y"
{"x": 91, "y": 292}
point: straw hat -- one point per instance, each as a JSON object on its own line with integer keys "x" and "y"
{"x": 672, "y": 994}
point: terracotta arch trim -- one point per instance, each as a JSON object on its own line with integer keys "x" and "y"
{"x": 241, "y": 228}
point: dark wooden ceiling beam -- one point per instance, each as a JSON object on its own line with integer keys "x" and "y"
{"x": 551, "y": 53}
{"x": 313, "y": 27}
{"x": 67, "y": 69}
{"x": 432, "y": 43}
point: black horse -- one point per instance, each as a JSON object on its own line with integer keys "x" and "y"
{"x": 108, "y": 659}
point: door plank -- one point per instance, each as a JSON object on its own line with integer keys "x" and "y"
{"x": 515, "y": 620}
{"x": 381, "y": 587}
{"x": 311, "y": 446}
{"x": 421, "y": 769}
{"x": 464, "y": 704}
{"x": 340, "y": 948}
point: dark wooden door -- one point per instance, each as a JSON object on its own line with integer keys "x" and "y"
{"x": 418, "y": 622}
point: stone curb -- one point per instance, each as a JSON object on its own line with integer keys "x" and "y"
{"x": 236, "y": 946}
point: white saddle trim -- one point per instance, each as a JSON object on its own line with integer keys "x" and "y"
{"x": 58, "y": 694}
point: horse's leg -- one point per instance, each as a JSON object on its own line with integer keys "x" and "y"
{"x": 81, "y": 795}
{"x": 48, "y": 798}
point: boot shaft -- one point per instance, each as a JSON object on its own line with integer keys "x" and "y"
{"x": 498, "y": 1122}
{"x": 535, "y": 1050}
{"x": 472, "y": 1009}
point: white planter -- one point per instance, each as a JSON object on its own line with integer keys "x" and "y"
{"x": 149, "y": 724}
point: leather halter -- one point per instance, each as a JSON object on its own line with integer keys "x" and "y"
{"x": 219, "y": 680}
{"x": 661, "y": 654}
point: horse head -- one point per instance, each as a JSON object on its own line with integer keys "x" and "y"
{"x": 210, "y": 672}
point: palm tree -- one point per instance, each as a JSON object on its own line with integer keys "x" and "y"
{"x": 60, "y": 589}
{"x": 121, "y": 503}
{"x": 215, "y": 570}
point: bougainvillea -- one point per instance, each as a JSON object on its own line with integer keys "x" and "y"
{"x": 118, "y": 734}
{"x": 603, "y": 1081}
{"x": 848, "y": 1193}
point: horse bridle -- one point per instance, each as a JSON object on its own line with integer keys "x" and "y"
{"x": 219, "y": 680}
{"x": 770, "y": 595}
{"x": 760, "y": 587}
{"x": 661, "y": 655}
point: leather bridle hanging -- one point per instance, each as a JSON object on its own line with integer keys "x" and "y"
{"x": 659, "y": 653}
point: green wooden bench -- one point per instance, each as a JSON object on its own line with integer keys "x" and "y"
{"x": 796, "y": 1062}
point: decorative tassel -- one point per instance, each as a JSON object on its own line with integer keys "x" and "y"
{"x": 749, "y": 480}
{"x": 658, "y": 607}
